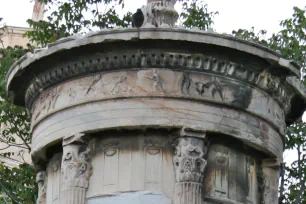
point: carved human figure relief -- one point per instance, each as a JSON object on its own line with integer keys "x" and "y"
{"x": 119, "y": 85}
{"x": 92, "y": 87}
{"x": 75, "y": 169}
{"x": 157, "y": 81}
{"x": 41, "y": 180}
{"x": 48, "y": 100}
{"x": 189, "y": 165}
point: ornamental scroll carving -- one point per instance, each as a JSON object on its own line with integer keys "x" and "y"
{"x": 76, "y": 169}
{"x": 160, "y": 13}
{"x": 41, "y": 180}
{"x": 189, "y": 165}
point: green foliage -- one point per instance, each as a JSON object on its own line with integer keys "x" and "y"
{"x": 290, "y": 40}
{"x": 14, "y": 121}
{"x": 195, "y": 13}
{"x": 250, "y": 35}
{"x": 295, "y": 182}
{"x": 17, "y": 185}
{"x": 71, "y": 17}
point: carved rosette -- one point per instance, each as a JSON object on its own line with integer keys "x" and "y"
{"x": 41, "y": 180}
{"x": 160, "y": 13}
{"x": 75, "y": 169}
{"x": 189, "y": 165}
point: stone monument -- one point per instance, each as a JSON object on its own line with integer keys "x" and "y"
{"x": 157, "y": 115}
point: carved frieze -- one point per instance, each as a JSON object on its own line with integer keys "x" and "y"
{"x": 158, "y": 83}
{"x": 41, "y": 180}
{"x": 174, "y": 61}
{"x": 189, "y": 165}
{"x": 75, "y": 169}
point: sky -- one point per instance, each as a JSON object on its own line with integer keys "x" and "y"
{"x": 233, "y": 14}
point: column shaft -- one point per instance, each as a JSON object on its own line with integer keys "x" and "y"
{"x": 75, "y": 170}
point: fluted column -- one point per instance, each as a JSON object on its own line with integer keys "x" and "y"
{"x": 189, "y": 165}
{"x": 41, "y": 180}
{"x": 75, "y": 170}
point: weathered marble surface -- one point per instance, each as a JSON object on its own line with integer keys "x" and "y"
{"x": 162, "y": 113}
{"x": 141, "y": 197}
{"x": 159, "y": 83}
{"x": 136, "y": 161}
{"x": 54, "y": 182}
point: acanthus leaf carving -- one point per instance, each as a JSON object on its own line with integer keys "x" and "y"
{"x": 189, "y": 165}
{"x": 76, "y": 168}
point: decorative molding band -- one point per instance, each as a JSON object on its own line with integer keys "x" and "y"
{"x": 174, "y": 61}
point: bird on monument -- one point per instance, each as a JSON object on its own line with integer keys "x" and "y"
{"x": 137, "y": 19}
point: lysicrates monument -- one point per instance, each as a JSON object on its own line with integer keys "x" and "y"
{"x": 157, "y": 115}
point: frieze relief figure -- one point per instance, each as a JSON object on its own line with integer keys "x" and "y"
{"x": 189, "y": 165}
{"x": 157, "y": 81}
{"x": 47, "y": 101}
{"x": 212, "y": 88}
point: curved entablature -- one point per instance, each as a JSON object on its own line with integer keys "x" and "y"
{"x": 54, "y": 64}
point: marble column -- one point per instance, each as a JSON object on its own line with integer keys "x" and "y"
{"x": 75, "y": 169}
{"x": 41, "y": 180}
{"x": 189, "y": 165}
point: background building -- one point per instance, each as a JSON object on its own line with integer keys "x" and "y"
{"x": 11, "y": 36}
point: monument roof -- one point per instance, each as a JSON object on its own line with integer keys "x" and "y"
{"x": 22, "y": 71}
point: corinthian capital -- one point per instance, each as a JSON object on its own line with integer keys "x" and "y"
{"x": 75, "y": 169}
{"x": 189, "y": 165}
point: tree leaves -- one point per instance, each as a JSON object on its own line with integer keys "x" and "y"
{"x": 71, "y": 17}
{"x": 17, "y": 185}
{"x": 195, "y": 13}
